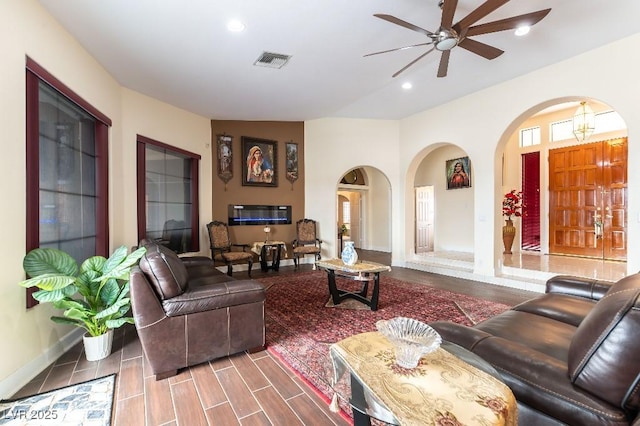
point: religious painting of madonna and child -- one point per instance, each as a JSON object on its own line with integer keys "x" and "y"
{"x": 458, "y": 173}
{"x": 260, "y": 162}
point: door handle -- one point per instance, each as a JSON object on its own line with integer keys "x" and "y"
{"x": 608, "y": 215}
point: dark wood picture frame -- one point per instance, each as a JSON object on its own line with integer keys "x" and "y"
{"x": 260, "y": 162}
{"x": 224, "y": 154}
{"x": 458, "y": 173}
{"x": 292, "y": 161}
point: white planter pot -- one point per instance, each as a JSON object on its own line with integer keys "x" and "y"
{"x": 98, "y": 347}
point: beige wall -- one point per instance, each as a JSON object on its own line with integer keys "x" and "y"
{"x": 333, "y": 147}
{"x": 142, "y": 115}
{"x": 25, "y": 29}
{"x": 235, "y": 193}
{"x": 32, "y": 341}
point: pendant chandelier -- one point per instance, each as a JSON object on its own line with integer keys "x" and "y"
{"x": 584, "y": 122}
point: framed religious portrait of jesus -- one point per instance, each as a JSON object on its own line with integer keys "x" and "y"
{"x": 458, "y": 173}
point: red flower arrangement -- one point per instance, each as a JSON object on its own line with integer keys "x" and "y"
{"x": 512, "y": 204}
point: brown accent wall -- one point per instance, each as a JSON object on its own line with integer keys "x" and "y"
{"x": 235, "y": 193}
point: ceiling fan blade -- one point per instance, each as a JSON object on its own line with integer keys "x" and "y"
{"x": 413, "y": 62}
{"x": 402, "y": 23}
{"x": 509, "y": 23}
{"x": 480, "y": 12}
{"x": 481, "y": 49}
{"x": 448, "y": 10}
{"x": 399, "y": 48}
{"x": 444, "y": 63}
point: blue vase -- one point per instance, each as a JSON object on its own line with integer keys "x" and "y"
{"x": 349, "y": 254}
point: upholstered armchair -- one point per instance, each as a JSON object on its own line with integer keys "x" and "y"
{"x": 187, "y": 312}
{"x": 222, "y": 248}
{"x": 307, "y": 241}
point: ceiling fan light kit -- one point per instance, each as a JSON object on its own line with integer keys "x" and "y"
{"x": 446, "y": 39}
{"x": 450, "y": 35}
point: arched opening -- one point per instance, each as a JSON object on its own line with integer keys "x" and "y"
{"x": 443, "y": 202}
{"x": 363, "y": 212}
{"x": 574, "y": 191}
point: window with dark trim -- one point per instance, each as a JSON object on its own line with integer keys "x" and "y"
{"x": 168, "y": 211}
{"x": 67, "y": 175}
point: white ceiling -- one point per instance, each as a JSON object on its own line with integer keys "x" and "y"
{"x": 180, "y": 52}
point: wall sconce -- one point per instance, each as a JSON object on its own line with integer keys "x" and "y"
{"x": 584, "y": 122}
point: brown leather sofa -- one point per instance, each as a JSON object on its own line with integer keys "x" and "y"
{"x": 570, "y": 356}
{"x": 187, "y": 312}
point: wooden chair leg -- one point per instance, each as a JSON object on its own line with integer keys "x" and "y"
{"x": 250, "y": 262}
{"x": 295, "y": 262}
{"x": 229, "y": 269}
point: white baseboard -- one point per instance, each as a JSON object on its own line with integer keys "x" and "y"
{"x": 24, "y": 375}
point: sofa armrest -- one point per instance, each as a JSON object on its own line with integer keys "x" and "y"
{"x": 459, "y": 334}
{"x": 588, "y": 288}
{"x": 145, "y": 305}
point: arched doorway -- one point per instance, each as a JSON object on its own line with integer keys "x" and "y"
{"x": 444, "y": 201}
{"x": 363, "y": 207}
{"x": 574, "y": 191}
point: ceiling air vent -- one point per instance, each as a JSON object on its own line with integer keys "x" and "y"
{"x": 272, "y": 60}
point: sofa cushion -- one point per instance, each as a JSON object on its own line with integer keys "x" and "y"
{"x": 604, "y": 352}
{"x": 537, "y": 332}
{"x": 560, "y": 307}
{"x": 164, "y": 270}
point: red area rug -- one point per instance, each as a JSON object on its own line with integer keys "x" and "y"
{"x": 300, "y": 327}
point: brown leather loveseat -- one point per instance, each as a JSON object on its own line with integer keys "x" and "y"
{"x": 187, "y": 312}
{"x": 570, "y": 356}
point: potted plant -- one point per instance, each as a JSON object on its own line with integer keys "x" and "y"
{"x": 94, "y": 296}
{"x": 511, "y": 206}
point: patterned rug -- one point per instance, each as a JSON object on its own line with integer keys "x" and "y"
{"x": 301, "y": 324}
{"x": 83, "y": 404}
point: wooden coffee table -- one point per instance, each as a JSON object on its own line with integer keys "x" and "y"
{"x": 361, "y": 271}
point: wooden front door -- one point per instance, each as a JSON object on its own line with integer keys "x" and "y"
{"x": 588, "y": 200}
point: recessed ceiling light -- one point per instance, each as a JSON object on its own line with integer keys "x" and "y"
{"x": 520, "y": 31}
{"x": 235, "y": 26}
{"x": 407, "y": 85}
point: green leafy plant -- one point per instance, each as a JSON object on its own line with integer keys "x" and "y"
{"x": 102, "y": 284}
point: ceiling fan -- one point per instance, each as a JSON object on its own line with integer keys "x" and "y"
{"x": 449, "y": 36}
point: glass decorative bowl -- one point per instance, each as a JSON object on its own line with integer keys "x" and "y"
{"x": 411, "y": 339}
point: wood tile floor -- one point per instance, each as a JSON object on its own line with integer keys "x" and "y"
{"x": 243, "y": 389}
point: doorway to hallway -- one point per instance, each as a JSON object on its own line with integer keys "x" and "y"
{"x": 424, "y": 198}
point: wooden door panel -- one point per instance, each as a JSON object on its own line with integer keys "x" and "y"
{"x": 615, "y": 199}
{"x": 574, "y": 204}
{"x": 588, "y": 183}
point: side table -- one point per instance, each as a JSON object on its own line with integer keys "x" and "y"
{"x": 269, "y": 250}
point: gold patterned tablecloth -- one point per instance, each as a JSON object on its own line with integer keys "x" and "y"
{"x": 443, "y": 389}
